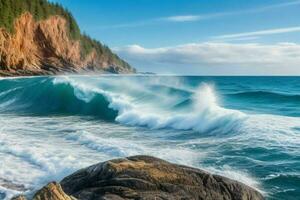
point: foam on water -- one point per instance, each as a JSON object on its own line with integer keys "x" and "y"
{"x": 237, "y": 174}
{"x": 117, "y": 147}
{"x": 257, "y": 149}
{"x": 207, "y": 114}
{"x": 66, "y": 145}
{"x": 274, "y": 130}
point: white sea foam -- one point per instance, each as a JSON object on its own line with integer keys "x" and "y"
{"x": 206, "y": 116}
{"x": 110, "y": 146}
{"x": 9, "y": 193}
{"x": 24, "y": 149}
{"x": 237, "y": 174}
{"x": 273, "y": 132}
{"x": 113, "y": 147}
{"x": 53, "y": 147}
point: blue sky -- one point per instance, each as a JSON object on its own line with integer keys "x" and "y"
{"x": 237, "y": 37}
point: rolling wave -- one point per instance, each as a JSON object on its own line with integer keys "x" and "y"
{"x": 260, "y": 148}
{"x": 207, "y": 115}
{"x": 65, "y": 95}
{"x": 48, "y": 97}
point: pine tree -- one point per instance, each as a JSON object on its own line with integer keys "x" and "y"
{"x": 10, "y": 10}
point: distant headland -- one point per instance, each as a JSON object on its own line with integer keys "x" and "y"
{"x": 42, "y": 38}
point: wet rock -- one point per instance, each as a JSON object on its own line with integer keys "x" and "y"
{"x": 144, "y": 177}
{"x": 21, "y": 197}
{"x": 52, "y": 191}
{"x": 147, "y": 178}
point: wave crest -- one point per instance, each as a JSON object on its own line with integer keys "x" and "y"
{"x": 207, "y": 115}
{"x": 65, "y": 95}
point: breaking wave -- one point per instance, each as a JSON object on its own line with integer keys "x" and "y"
{"x": 48, "y": 124}
{"x": 153, "y": 105}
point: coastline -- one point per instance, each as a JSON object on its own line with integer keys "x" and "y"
{"x": 79, "y": 113}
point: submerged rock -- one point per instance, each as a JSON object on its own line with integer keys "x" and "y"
{"x": 145, "y": 177}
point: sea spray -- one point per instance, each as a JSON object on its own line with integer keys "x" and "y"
{"x": 207, "y": 115}
{"x": 245, "y": 128}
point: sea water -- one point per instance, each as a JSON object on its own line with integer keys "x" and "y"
{"x": 244, "y": 128}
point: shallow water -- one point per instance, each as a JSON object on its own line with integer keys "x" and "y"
{"x": 245, "y": 128}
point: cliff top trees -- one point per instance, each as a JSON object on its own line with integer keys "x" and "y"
{"x": 42, "y": 9}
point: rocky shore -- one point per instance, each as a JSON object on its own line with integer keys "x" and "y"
{"x": 144, "y": 177}
{"x": 45, "y": 48}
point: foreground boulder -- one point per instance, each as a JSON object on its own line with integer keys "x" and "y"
{"x": 144, "y": 177}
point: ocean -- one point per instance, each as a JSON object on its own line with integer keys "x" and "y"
{"x": 244, "y": 128}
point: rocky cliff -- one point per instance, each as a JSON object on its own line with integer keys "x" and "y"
{"x": 144, "y": 177}
{"x": 45, "y": 47}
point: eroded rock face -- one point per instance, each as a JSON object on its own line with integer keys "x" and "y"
{"x": 144, "y": 177}
{"x": 21, "y": 197}
{"x": 44, "y": 47}
{"x": 52, "y": 191}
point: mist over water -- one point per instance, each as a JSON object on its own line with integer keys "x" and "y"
{"x": 245, "y": 128}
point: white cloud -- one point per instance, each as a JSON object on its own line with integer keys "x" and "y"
{"x": 200, "y": 17}
{"x": 192, "y": 18}
{"x": 280, "y": 5}
{"x": 183, "y": 18}
{"x": 189, "y": 18}
{"x": 216, "y": 58}
{"x": 260, "y": 33}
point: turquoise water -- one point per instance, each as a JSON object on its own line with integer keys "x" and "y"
{"x": 245, "y": 128}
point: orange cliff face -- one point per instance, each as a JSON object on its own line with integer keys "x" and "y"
{"x": 44, "y": 47}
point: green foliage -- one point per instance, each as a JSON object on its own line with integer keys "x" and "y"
{"x": 42, "y": 9}
{"x": 88, "y": 45}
